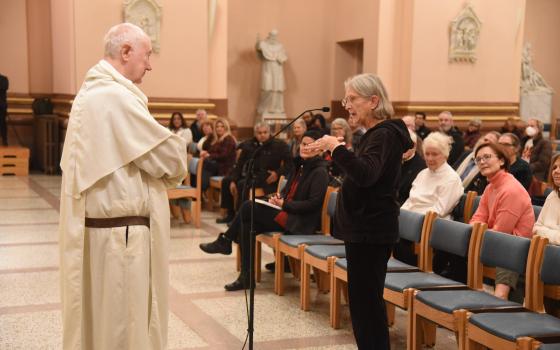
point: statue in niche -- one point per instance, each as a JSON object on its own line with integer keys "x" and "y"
{"x": 272, "y": 54}
{"x": 531, "y": 80}
{"x": 147, "y": 15}
{"x": 464, "y": 34}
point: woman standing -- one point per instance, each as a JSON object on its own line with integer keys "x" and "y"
{"x": 367, "y": 212}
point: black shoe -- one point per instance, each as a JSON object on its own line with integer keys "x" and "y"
{"x": 221, "y": 245}
{"x": 240, "y": 283}
{"x": 225, "y": 220}
{"x": 272, "y": 266}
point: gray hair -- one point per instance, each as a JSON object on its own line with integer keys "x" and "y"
{"x": 261, "y": 125}
{"x": 447, "y": 113}
{"x": 120, "y": 35}
{"x": 347, "y": 131}
{"x": 368, "y": 85}
{"x": 438, "y": 140}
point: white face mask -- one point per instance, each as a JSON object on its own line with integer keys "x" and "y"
{"x": 531, "y": 131}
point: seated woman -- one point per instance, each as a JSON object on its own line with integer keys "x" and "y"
{"x": 537, "y": 150}
{"x": 298, "y": 129}
{"x": 437, "y": 188}
{"x": 548, "y": 224}
{"x": 300, "y": 209}
{"x": 412, "y": 164}
{"x": 505, "y": 206}
{"x": 340, "y": 129}
{"x": 220, "y": 157}
{"x": 205, "y": 141}
{"x": 178, "y": 126}
{"x": 518, "y": 167}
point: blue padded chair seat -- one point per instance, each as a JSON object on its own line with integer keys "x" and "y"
{"x": 549, "y": 347}
{"x": 216, "y": 178}
{"x": 184, "y": 187}
{"x": 401, "y": 281}
{"x": 324, "y": 251}
{"x": 296, "y": 240}
{"x": 451, "y": 300}
{"x": 342, "y": 263}
{"x": 397, "y": 265}
{"x": 512, "y": 325}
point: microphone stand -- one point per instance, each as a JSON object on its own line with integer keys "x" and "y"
{"x": 253, "y": 233}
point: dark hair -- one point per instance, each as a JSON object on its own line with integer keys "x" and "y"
{"x": 183, "y": 122}
{"x": 422, "y": 114}
{"x": 498, "y": 149}
{"x": 552, "y": 161}
{"x": 321, "y": 120}
{"x": 315, "y": 134}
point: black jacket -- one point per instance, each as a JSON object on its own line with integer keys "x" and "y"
{"x": 274, "y": 156}
{"x": 196, "y": 131}
{"x": 409, "y": 170}
{"x": 367, "y": 209}
{"x": 458, "y": 146}
{"x": 304, "y": 210}
{"x": 4, "y": 85}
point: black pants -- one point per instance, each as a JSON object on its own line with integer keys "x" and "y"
{"x": 227, "y": 200}
{"x": 240, "y": 229}
{"x": 3, "y": 125}
{"x": 209, "y": 169}
{"x": 367, "y": 266}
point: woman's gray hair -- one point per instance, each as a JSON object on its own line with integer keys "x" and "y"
{"x": 347, "y": 130}
{"x": 438, "y": 140}
{"x": 260, "y": 125}
{"x": 122, "y": 34}
{"x": 368, "y": 85}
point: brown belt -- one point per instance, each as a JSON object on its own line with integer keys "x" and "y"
{"x": 118, "y": 222}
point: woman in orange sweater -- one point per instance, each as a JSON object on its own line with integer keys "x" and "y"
{"x": 505, "y": 205}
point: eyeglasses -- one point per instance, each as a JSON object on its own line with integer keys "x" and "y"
{"x": 348, "y": 100}
{"x": 506, "y": 144}
{"x": 484, "y": 158}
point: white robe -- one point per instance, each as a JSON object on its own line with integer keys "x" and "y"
{"x": 117, "y": 161}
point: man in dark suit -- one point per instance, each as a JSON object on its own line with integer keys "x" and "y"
{"x": 4, "y": 85}
{"x": 272, "y": 161}
{"x": 446, "y": 126}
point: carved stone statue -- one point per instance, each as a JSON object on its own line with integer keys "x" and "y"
{"x": 536, "y": 94}
{"x": 147, "y": 15}
{"x": 464, "y": 33}
{"x": 272, "y": 54}
{"x": 531, "y": 80}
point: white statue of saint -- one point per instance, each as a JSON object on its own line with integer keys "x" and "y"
{"x": 531, "y": 80}
{"x": 272, "y": 54}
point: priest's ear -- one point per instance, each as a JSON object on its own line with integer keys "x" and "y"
{"x": 126, "y": 52}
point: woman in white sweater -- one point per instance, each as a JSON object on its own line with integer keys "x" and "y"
{"x": 548, "y": 223}
{"x": 437, "y": 188}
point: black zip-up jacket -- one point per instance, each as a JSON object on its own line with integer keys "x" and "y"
{"x": 367, "y": 209}
{"x": 304, "y": 210}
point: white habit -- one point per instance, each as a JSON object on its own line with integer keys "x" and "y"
{"x": 117, "y": 161}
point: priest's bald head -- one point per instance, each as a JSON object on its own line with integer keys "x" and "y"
{"x": 128, "y": 49}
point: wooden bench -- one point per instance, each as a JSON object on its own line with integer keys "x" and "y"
{"x": 14, "y": 161}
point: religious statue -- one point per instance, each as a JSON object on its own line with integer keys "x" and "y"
{"x": 272, "y": 54}
{"x": 464, "y": 33}
{"x": 531, "y": 80}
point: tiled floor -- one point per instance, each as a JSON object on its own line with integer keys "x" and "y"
{"x": 202, "y": 315}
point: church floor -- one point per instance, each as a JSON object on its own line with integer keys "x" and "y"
{"x": 202, "y": 315}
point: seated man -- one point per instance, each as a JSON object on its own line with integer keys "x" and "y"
{"x": 271, "y": 162}
{"x": 299, "y": 209}
{"x": 446, "y": 126}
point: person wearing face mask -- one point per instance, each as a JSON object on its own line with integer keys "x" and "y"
{"x": 300, "y": 206}
{"x": 536, "y": 149}
{"x": 548, "y": 223}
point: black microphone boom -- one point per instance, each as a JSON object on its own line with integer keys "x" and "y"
{"x": 285, "y": 127}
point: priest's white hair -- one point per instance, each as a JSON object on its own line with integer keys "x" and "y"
{"x": 122, "y": 34}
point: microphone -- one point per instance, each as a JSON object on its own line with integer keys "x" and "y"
{"x": 322, "y": 109}
{"x": 326, "y": 109}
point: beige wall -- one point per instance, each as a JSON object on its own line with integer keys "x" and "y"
{"x": 542, "y": 29}
{"x": 63, "y": 51}
{"x": 302, "y": 32}
{"x": 13, "y": 36}
{"x": 39, "y": 46}
{"x": 495, "y": 75}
